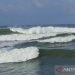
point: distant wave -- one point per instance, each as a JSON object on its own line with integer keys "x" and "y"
{"x": 5, "y": 31}
{"x": 40, "y": 30}
{"x": 6, "y": 45}
{"x": 14, "y": 40}
{"x": 19, "y": 55}
{"x": 59, "y": 39}
{"x": 26, "y": 38}
{"x": 19, "y": 37}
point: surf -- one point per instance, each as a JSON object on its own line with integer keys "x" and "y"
{"x": 59, "y": 39}
{"x": 18, "y": 55}
{"x": 19, "y": 45}
{"x": 39, "y": 30}
{"x": 16, "y": 37}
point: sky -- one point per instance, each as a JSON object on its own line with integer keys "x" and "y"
{"x": 28, "y": 12}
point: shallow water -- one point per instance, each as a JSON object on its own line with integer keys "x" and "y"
{"x": 39, "y": 66}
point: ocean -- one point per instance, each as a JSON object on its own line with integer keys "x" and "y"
{"x": 36, "y": 49}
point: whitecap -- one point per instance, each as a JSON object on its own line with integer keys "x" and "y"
{"x": 59, "y": 39}
{"x": 18, "y": 55}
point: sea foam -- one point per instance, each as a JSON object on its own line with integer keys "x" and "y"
{"x": 18, "y": 55}
{"x": 35, "y": 33}
{"x": 59, "y": 39}
{"x": 25, "y": 37}
{"x": 39, "y": 30}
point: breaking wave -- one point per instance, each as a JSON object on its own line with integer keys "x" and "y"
{"x": 14, "y": 40}
{"x": 18, "y": 55}
{"x": 36, "y": 33}
{"x": 59, "y": 39}
{"x": 5, "y": 31}
{"x": 24, "y": 37}
{"x": 39, "y": 30}
{"x": 18, "y": 38}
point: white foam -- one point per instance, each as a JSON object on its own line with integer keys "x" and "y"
{"x": 24, "y": 37}
{"x": 9, "y": 43}
{"x": 39, "y": 30}
{"x": 59, "y": 39}
{"x": 36, "y": 33}
{"x": 18, "y": 55}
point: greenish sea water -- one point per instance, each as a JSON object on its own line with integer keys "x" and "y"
{"x": 36, "y": 50}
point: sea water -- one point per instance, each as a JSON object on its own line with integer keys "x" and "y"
{"x": 20, "y": 48}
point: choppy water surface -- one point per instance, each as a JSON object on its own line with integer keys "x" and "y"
{"x": 41, "y": 66}
{"x": 19, "y": 46}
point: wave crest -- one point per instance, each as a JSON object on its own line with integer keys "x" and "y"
{"x": 18, "y": 55}
{"x": 39, "y": 30}
{"x": 59, "y": 39}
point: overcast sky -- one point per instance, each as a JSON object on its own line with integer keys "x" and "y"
{"x": 29, "y": 12}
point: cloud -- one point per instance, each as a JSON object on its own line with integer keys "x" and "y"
{"x": 40, "y": 3}
{"x": 16, "y": 6}
{"x": 37, "y": 11}
{"x": 70, "y": 7}
{"x": 67, "y": 6}
{"x": 37, "y": 3}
